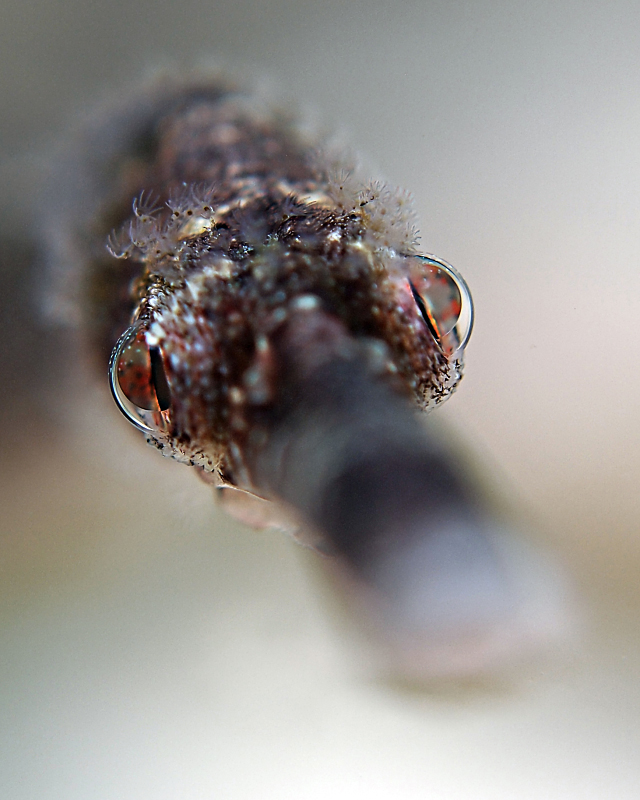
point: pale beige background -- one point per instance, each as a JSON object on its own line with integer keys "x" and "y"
{"x": 151, "y": 649}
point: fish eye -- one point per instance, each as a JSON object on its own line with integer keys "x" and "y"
{"x": 138, "y": 381}
{"x": 444, "y": 301}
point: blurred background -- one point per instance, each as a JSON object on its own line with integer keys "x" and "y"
{"x": 151, "y": 648}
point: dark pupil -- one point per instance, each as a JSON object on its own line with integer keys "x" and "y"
{"x": 426, "y": 314}
{"x": 159, "y": 379}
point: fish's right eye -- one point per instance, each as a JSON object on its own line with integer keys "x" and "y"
{"x": 138, "y": 381}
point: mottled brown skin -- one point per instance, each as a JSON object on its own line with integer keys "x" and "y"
{"x": 269, "y": 232}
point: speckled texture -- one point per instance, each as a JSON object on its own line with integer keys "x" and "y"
{"x": 238, "y": 220}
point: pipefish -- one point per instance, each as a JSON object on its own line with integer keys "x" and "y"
{"x": 269, "y": 320}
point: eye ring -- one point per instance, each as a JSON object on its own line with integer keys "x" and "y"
{"x": 138, "y": 381}
{"x": 444, "y": 301}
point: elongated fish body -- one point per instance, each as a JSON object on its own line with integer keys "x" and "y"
{"x": 269, "y": 320}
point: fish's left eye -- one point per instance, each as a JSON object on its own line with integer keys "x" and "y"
{"x": 138, "y": 380}
{"x": 444, "y": 301}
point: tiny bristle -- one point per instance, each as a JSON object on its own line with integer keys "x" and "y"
{"x": 145, "y": 205}
{"x": 390, "y": 215}
{"x": 197, "y": 198}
